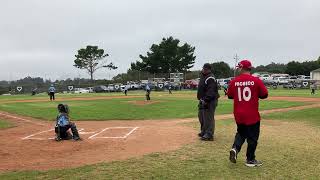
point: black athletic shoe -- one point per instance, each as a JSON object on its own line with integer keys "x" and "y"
{"x": 206, "y": 138}
{"x": 76, "y": 138}
{"x": 200, "y": 134}
{"x": 233, "y": 155}
{"x": 253, "y": 163}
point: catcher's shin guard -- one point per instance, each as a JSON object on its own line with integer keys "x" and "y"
{"x": 75, "y": 133}
{"x": 57, "y": 131}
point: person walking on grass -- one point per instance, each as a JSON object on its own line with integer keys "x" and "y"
{"x": 126, "y": 90}
{"x": 246, "y": 90}
{"x": 208, "y": 100}
{"x": 170, "y": 89}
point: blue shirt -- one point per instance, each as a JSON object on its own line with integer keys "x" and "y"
{"x": 62, "y": 119}
{"x": 147, "y": 88}
{"x": 52, "y": 89}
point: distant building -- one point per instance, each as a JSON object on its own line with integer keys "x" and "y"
{"x": 315, "y": 74}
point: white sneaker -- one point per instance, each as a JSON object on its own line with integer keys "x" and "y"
{"x": 253, "y": 163}
{"x": 233, "y": 155}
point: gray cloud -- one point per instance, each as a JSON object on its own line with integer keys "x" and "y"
{"x": 40, "y": 38}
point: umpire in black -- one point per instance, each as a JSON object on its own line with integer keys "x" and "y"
{"x": 208, "y": 100}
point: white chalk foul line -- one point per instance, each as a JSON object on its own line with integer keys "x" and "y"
{"x": 128, "y": 134}
{"x": 22, "y": 119}
{"x": 114, "y": 137}
{"x": 87, "y": 132}
{"x": 30, "y": 136}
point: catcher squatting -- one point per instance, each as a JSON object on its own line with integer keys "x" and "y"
{"x": 63, "y": 124}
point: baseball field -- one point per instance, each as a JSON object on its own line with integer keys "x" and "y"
{"x": 126, "y": 137}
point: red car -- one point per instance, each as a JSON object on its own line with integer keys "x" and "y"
{"x": 191, "y": 84}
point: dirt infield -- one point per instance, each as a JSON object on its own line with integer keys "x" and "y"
{"x": 29, "y": 145}
{"x": 42, "y": 153}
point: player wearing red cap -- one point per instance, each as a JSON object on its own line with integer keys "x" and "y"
{"x": 246, "y": 90}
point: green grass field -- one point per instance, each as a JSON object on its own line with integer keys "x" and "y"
{"x": 311, "y": 116}
{"x": 272, "y": 92}
{"x": 282, "y": 150}
{"x": 288, "y": 146}
{"x": 5, "y": 124}
{"x": 114, "y": 109}
{"x": 294, "y": 93}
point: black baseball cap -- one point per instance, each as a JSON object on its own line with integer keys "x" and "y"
{"x": 207, "y": 66}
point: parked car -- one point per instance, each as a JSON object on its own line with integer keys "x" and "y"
{"x": 303, "y": 77}
{"x": 265, "y": 77}
{"x": 100, "y": 89}
{"x": 90, "y": 89}
{"x": 80, "y": 90}
{"x": 281, "y": 80}
{"x": 293, "y": 78}
{"x": 191, "y": 84}
{"x": 111, "y": 88}
{"x": 280, "y": 75}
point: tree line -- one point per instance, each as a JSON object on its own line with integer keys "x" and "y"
{"x": 168, "y": 56}
{"x": 291, "y": 68}
{"x": 171, "y": 56}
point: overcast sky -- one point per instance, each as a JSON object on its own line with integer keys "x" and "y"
{"x": 41, "y": 37}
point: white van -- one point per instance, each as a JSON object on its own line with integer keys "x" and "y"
{"x": 281, "y": 80}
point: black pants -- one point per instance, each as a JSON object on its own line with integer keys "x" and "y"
{"x": 313, "y": 91}
{"x": 206, "y": 118}
{"x": 148, "y": 96}
{"x": 249, "y": 133}
{"x": 62, "y": 131}
{"x": 51, "y": 94}
{"x": 126, "y": 92}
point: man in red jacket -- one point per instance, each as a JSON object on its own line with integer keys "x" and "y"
{"x": 246, "y": 90}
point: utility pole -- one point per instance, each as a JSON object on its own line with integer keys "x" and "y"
{"x": 79, "y": 78}
{"x": 236, "y": 59}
